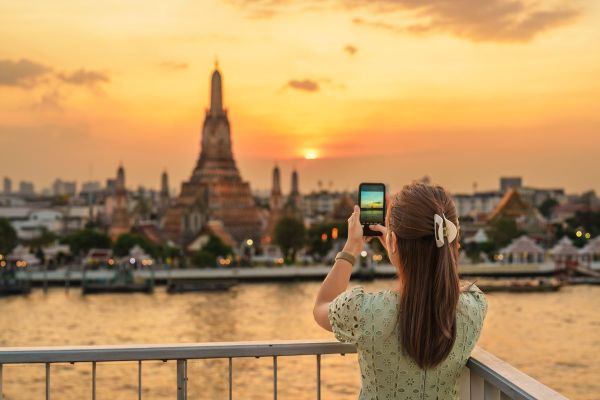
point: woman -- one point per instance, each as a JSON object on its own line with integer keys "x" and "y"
{"x": 413, "y": 341}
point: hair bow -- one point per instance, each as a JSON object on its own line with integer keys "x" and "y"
{"x": 442, "y": 226}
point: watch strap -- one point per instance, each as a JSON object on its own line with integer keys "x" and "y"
{"x": 344, "y": 255}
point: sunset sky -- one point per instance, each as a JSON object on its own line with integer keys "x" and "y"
{"x": 377, "y": 90}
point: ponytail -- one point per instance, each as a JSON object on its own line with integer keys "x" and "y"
{"x": 428, "y": 275}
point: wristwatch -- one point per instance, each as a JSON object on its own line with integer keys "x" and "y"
{"x": 344, "y": 255}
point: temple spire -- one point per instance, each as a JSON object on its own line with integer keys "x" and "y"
{"x": 276, "y": 185}
{"x": 121, "y": 176}
{"x": 216, "y": 93}
{"x": 295, "y": 189}
{"x": 275, "y": 201}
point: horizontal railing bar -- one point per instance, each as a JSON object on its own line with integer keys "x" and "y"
{"x": 25, "y": 355}
{"x": 508, "y": 379}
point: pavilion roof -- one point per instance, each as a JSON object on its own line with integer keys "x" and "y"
{"x": 593, "y": 246}
{"x": 564, "y": 247}
{"x": 523, "y": 244}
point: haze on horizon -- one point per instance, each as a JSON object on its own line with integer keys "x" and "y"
{"x": 350, "y": 91}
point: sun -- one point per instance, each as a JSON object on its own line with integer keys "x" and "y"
{"x": 311, "y": 154}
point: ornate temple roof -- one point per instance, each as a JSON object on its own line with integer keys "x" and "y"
{"x": 511, "y": 205}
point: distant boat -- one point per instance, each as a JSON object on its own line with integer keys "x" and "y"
{"x": 583, "y": 280}
{"x": 10, "y": 284}
{"x": 123, "y": 281}
{"x": 521, "y": 285}
{"x": 199, "y": 285}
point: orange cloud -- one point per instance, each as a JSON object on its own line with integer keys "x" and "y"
{"x": 23, "y": 73}
{"x": 351, "y": 50}
{"x": 174, "y": 66}
{"x": 490, "y": 20}
{"x": 84, "y": 77}
{"x": 306, "y": 85}
{"x": 478, "y": 21}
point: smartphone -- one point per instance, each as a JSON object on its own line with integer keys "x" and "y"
{"x": 371, "y": 200}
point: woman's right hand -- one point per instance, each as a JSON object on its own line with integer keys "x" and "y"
{"x": 383, "y": 237}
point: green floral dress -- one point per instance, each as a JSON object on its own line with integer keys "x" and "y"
{"x": 368, "y": 320}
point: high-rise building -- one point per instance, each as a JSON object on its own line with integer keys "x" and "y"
{"x": 64, "y": 188}
{"x": 111, "y": 185}
{"x": 510, "y": 182}
{"x": 7, "y": 185}
{"x": 215, "y": 191}
{"x": 91, "y": 187}
{"x": 26, "y": 189}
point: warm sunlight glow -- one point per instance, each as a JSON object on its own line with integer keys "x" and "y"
{"x": 311, "y": 154}
{"x": 362, "y": 95}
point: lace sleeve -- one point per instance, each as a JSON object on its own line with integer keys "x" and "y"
{"x": 345, "y": 315}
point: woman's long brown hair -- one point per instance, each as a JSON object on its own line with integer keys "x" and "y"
{"x": 428, "y": 275}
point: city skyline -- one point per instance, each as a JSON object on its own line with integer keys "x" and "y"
{"x": 356, "y": 97}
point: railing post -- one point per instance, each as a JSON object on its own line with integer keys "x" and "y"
{"x": 139, "y": 379}
{"x": 318, "y": 377}
{"x": 477, "y": 389}
{"x": 230, "y": 378}
{"x": 275, "y": 377}
{"x": 1, "y": 396}
{"x": 94, "y": 380}
{"x": 491, "y": 391}
{"x": 47, "y": 381}
{"x": 181, "y": 379}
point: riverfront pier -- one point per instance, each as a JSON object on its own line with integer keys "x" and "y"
{"x": 75, "y": 275}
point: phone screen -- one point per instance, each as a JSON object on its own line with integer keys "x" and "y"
{"x": 372, "y": 204}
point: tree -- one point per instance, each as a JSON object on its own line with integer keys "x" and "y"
{"x": 39, "y": 253}
{"x": 207, "y": 255}
{"x": 204, "y": 259}
{"x": 502, "y": 231}
{"x": 217, "y": 247}
{"x": 290, "y": 236}
{"x": 547, "y": 206}
{"x": 44, "y": 239}
{"x": 8, "y": 236}
{"x": 587, "y": 222}
{"x": 320, "y": 240}
{"x": 128, "y": 240}
{"x": 84, "y": 240}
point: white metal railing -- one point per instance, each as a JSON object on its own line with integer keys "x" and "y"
{"x": 484, "y": 377}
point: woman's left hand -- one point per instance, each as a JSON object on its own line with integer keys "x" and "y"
{"x": 355, "y": 241}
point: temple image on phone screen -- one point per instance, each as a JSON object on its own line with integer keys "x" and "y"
{"x": 371, "y": 204}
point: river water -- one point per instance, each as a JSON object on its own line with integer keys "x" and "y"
{"x": 554, "y": 337}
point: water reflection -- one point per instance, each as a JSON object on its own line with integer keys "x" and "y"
{"x": 551, "y": 336}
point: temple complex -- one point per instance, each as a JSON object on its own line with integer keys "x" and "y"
{"x": 215, "y": 190}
